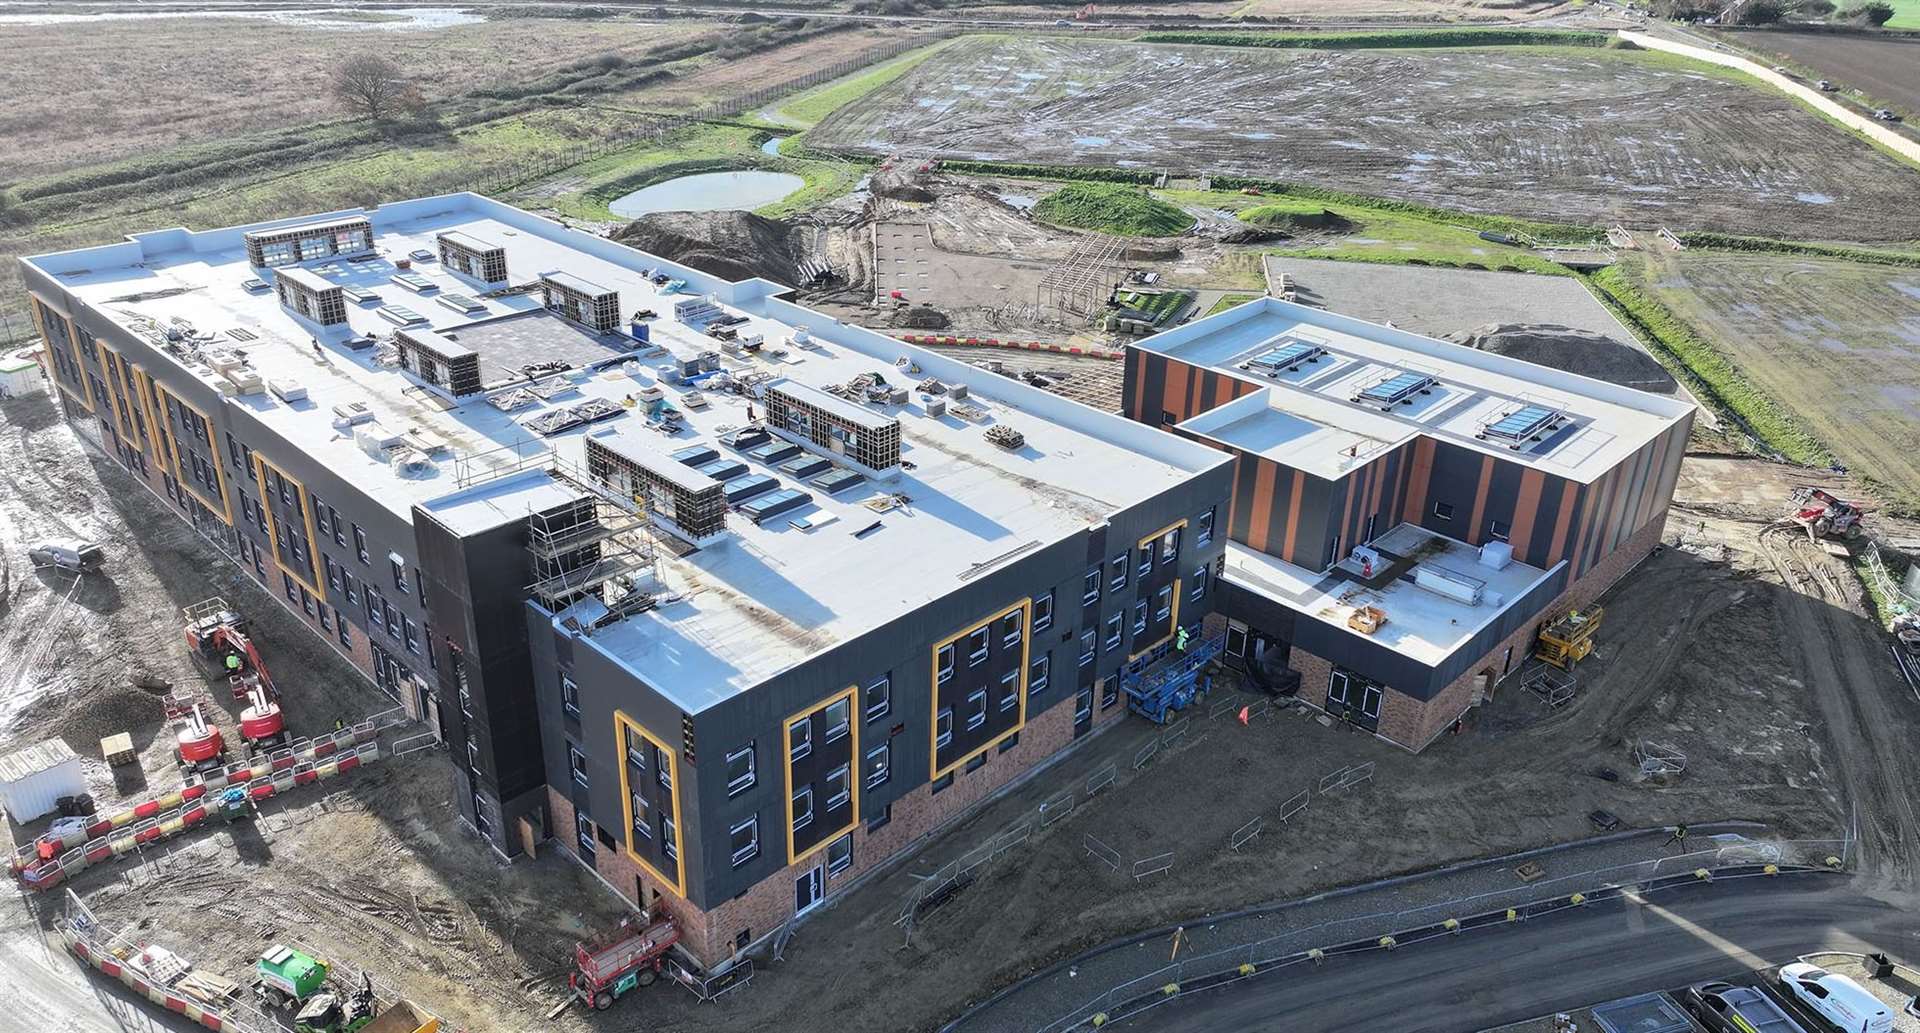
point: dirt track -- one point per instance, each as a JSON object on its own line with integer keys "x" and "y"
{"x": 1569, "y": 136}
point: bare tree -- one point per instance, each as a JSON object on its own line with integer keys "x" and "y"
{"x": 374, "y": 86}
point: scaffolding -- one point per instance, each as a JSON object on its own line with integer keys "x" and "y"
{"x": 598, "y": 545}
{"x": 1079, "y": 283}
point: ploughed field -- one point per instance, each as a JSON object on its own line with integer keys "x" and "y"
{"x": 1885, "y": 68}
{"x": 1557, "y": 134}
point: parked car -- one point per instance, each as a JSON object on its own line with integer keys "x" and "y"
{"x": 1726, "y": 1008}
{"x": 68, "y": 554}
{"x": 1837, "y": 999}
{"x": 1826, "y": 86}
{"x": 1885, "y": 115}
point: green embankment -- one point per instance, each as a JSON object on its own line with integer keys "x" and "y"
{"x": 1383, "y": 40}
{"x": 1228, "y": 301}
{"x": 1112, "y": 208}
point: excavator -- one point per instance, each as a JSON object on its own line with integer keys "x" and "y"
{"x": 1825, "y": 514}
{"x": 217, "y": 635}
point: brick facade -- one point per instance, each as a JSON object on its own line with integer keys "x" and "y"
{"x": 1408, "y": 722}
{"x": 714, "y": 935}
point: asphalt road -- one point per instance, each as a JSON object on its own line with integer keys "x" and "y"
{"x": 1484, "y": 979}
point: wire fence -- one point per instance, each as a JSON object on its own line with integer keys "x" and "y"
{"x": 1392, "y": 929}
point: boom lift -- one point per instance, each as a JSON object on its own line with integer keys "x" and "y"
{"x": 217, "y": 635}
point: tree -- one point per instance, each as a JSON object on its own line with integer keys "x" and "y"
{"x": 1874, "y": 12}
{"x": 373, "y": 86}
{"x": 1813, "y": 8}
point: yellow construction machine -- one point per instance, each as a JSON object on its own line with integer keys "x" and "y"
{"x": 1566, "y": 640}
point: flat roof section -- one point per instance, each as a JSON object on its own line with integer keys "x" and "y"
{"x": 1422, "y": 624}
{"x": 469, "y": 242}
{"x": 576, "y": 284}
{"x": 853, "y": 413}
{"x": 775, "y": 593}
{"x": 306, "y": 279}
{"x": 1334, "y": 383}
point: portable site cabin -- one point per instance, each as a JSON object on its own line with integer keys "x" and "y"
{"x": 33, "y": 780}
{"x": 19, "y": 376}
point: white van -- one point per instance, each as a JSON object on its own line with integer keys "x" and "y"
{"x": 1837, "y": 999}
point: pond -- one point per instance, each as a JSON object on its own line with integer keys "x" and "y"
{"x": 772, "y": 146}
{"x": 742, "y": 190}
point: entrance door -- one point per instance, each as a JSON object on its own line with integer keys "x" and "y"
{"x": 1354, "y": 699}
{"x": 1369, "y": 709}
{"x": 806, "y": 891}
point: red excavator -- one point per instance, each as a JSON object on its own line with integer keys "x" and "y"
{"x": 217, "y": 634}
{"x": 1825, "y": 514}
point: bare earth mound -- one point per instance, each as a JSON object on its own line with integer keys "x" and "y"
{"x": 1584, "y": 136}
{"x": 733, "y": 245}
{"x": 1576, "y": 351}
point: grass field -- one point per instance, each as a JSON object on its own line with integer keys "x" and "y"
{"x": 1228, "y": 301}
{"x": 1835, "y": 344}
{"x": 1906, "y": 14}
{"x": 808, "y": 108}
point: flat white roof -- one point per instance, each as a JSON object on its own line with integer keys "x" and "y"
{"x": 311, "y": 281}
{"x": 757, "y": 604}
{"x": 1422, "y": 624}
{"x": 1332, "y": 411}
{"x": 852, "y": 412}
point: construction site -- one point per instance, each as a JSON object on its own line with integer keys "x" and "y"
{"x": 220, "y": 818}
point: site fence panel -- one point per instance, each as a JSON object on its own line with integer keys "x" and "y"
{"x": 1100, "y": 779}
{"x": 1152, "y": 865}
{"x": 1145, "y": 754}
{"x": 1246, "y": 833}
{"x": 1101, "y": 851}
{"x": 1056, "y": 807}
{"x": 1295, "y": 804}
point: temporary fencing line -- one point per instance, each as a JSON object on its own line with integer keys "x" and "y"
{"x": 1167, "y": 983}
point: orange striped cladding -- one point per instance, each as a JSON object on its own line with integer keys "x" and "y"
{"x": 1418, "y": 480}
{"x": 1294, "y": 495}
{"x": 1474, "y": 536}
{"x": 1568, "y": 494}
{"x": 1174, "y": 398}
{"x": 1525, "y": 510}
{"x": 1260, "y": 522}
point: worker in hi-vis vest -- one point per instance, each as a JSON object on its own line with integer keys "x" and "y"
{"x": 233, "y": 663}
{"x": 1180, "y": 640}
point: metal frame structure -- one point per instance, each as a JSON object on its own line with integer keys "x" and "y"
{"x": 1078, "y": 284}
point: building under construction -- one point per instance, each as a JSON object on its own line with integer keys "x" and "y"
{"x": 724, "y": 599}
{"x": 1406, "y": 512}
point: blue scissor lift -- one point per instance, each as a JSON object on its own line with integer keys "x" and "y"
{"x": 1158, "y": 691}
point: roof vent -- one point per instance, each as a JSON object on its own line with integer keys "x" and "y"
{"x": 351, "y": 414}
{"x": 287, "y": 390}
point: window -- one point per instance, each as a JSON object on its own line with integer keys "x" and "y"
{"x": 1038, "y": 673}
{"x": 1009, "y": 690}
{"x": 319, "y": 515}
{"x": 1203, "y": 532}
{"x": 839, "y": 787}
{"x": 360, "y": 545}
{"x": 1090, "y": 587}
{"x": 1170, "y": 546}
{"x": 839, "y": 715}
{"x": 412, "y": 635}
{"x": 662, "y": 768}
{"x": 976, "y": 709}
{"x": 946, "y": 662}
{"x": 347, "y": 585}
{"x": 637, "y": 750}
{"x": 1086, "y": 647}
{"x": 879, "y": 822}
{"x": 1498, "y": 529}
{"x": 878, "y": 765}
{"x": 326, "y": 624}
{"x": 287, "y": 580}
{"x": 941, "y": 784}
{"x": 1199, "y": 589}
{"x": 1083, "y": 704}
{"x": 1010, "y": 631}
{"x": 740, "y": 770}
{"x": 399, "y": 572}
{"x": 333, "y": 572}
{"x": 1117, "y": 572}
{"x": 577, "y": 763}
{"x": 744, "y": 839}
{"x": 799, "y": 738}
{"x": 1139, "y": 616}
{"x": 1443, "y": 510}
{"x": 978, "y": 761}
{"x": 1109, "y": 692}
{"x": 346, "y": 638}
{"x": 669, "y": 839}
{"x": 1043, "y": 612}
{"x": 642, "y": 817}
{"x": 583, "y": 829}
{"x": 569, "y": 696}
{"x": 1008, "y": 743}
{"x": 1168, "y": 419}
{"x": 802, "y": 808}
{"x": 1113, "y": 631}
{"x": 339, "y": 536}
{"x": 306, "y": 601}
{"x": 879, "y": 698}
{"x": 1163, "y": 603}
{"x": 976, "y": 647}
{"x": 943, "y": 727}
{"x": 840, "y": 855}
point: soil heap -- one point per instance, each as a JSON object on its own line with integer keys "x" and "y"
{"x": 1576, "y": 351}
{"x": 730, "y": 245}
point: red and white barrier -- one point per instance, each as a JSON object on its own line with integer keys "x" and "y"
{"x": 1032, "y": 346}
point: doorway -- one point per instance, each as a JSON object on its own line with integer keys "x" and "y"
{"x": 806, "y": 892}
{"x": 1354, "y": 699}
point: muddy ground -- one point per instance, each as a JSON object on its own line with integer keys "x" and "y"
{"x": 1834, "y": 341}
{"x": 1588, "y": 137}
{"x": 1883, "y": 67}
{"x": 372, "y": 870}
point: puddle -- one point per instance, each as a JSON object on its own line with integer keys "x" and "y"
{"x": 1911, "y": 290}
{"x": 1020, "y": 201}
{"x": 1091, "y": 141}
{"x": 709, "y": 192}
{"x": 345, "y": 19}
{"x": 772, "y": 146}
{"x": 1813, "y": 198}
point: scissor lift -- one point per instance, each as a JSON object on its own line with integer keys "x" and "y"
{"x": 1157, "y": 692}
